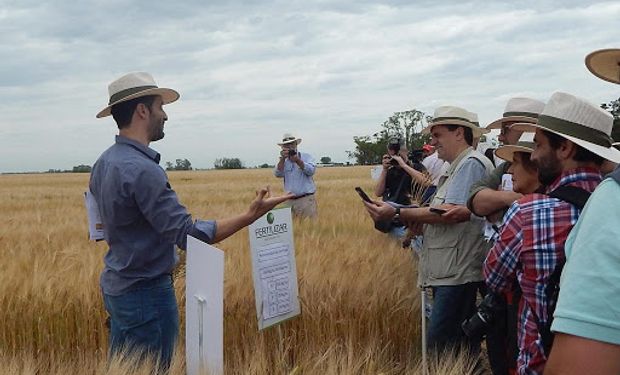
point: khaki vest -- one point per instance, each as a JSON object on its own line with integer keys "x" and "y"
{"x": 452, "y": 254}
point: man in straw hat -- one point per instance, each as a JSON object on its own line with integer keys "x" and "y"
{"x": 571, "y": 142}
{"x": 487, "y": 198}
{"x": 297, "y": 169}
{"x": 144, "y": 220}
{"x": 453, "y": 246}
{"x": 587, "y": 333}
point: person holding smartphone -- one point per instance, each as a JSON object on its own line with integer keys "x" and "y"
{"x": 297, "y": 169}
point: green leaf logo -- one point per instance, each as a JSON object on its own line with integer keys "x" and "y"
{"x": 270, "y": 218}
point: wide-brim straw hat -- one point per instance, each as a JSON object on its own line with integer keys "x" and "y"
{"x": 605, "y": 64}
{"x": 289, "y": 138}
{"x": 519, "y": 110}
{"x": 525, "y": 144}
{"x": 578, "y": 121}
{"x": 135, "y": 85}
{"x": 451, "y": 115}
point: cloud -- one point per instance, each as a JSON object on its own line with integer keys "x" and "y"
{"x": 250, "y": 71}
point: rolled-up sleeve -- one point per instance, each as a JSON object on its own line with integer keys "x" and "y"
{"x": 277, "y": 172}
{"x": 161, "y": 208}
{"x": 309, "y": 165}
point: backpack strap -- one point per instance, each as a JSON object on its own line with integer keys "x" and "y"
{"x": 578, "y": 197}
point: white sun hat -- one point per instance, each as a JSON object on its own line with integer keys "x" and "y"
{"x": 519, "y": 110}
{"x": 579, "y": 121}
{"x": 289, "y": 138}
{"x": 451, "y": 115}
{"x": 135, "y": 85}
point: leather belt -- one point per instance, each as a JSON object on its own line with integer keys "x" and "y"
{"x": 302, "y": 196}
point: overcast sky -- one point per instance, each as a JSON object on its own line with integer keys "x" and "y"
{"x": 250, "y": 71}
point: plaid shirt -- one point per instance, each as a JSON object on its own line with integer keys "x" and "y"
{"x": 530, "y": 246}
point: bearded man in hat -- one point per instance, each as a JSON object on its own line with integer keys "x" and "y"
{"x": 571, "y": 142}
{"x": 453, "y": 248}
{"x": 297, "y": 169}
{"x": 144, "y": 220}
{"x": 587, "y": 334}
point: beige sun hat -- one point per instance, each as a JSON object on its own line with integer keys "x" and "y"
{"x": 605, "y": 64}
{"x": 135, "y": 85}
{"x": 525, "y": 144}
{"x": 519, "y": 110}
{"x": 289, "y": 138}
{"x": 451, "y": 115}
{"x": 578, "y": 121}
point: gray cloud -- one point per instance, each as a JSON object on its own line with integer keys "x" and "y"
{"x": 249, "y": 71}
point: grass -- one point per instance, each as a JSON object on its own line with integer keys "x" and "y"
{"x": 360, "y": 306}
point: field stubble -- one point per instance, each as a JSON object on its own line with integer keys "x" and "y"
{"x": 360, "y": 306}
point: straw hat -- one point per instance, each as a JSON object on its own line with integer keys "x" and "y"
{"x": 519, "y": 110}
{"x": 525, "y": 144}
{"x": 605, "y": 64}
{"x": 450, "y": 115}
{"x": 578, "y": 121}
{"x": 289, "y": 138}
{"x": 135, "y": 85}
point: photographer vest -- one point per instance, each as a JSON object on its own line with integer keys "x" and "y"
{"x": 452, "y": 254}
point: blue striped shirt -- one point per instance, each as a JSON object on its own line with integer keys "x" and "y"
{"x": 296, "y": 180}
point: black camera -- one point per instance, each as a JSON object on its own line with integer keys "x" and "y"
{"x": 489, "y": 309}
{"x": 292, "y": 153}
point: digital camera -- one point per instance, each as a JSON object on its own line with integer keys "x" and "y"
{"x": 478, "y": 325}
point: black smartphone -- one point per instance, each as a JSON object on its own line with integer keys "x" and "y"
{"x": 362, "y": 194}
{"x": 438, "y": 211}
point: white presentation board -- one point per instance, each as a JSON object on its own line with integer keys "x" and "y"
{"x": 95, "y": 224}
{"x": 273, "y": 268}
{"x": 204, "y": 308}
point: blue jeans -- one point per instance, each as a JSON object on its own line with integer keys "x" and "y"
{"x": 145, "y": 320}
{"x": 451, "y": 306}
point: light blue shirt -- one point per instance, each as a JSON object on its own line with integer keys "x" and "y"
{"x": 589, "y": 302}
{"x": 296, "y": 180}
{"x": 141, "y": 214}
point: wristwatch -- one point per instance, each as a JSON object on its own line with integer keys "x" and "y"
{"x": 397, "y": 214}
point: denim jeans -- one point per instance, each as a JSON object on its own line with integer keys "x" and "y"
{"x": 451, "y": 306}
{"x": 145, "y": 320}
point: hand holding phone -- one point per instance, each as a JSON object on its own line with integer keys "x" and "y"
{"x": 363, "y": 195}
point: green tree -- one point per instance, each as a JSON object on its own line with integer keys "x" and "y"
{"x": 612, "y": 107}
{"x": 326, "y": 160}
{"x": 369, "y": 149}
{"x": 228, "y": 163}
{"x": 81, "y": 168}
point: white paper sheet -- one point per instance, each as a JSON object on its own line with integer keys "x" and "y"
{"x": 204, "y": 298}
{"x": 95, "y": 224}
{"x": 273, "y": 268}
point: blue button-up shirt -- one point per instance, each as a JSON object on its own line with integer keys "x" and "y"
{"x": 296, "y": 180}
{"x": 141, "y": 214}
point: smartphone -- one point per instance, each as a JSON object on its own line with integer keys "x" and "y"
{"x": 362, "y": 194}
{"x": 438, "y": 211}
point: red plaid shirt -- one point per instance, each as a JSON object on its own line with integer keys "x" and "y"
{"x": 530, "y": 246}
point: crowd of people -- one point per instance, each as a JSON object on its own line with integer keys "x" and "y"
{"x": 532, "y": 237}
{"x": 528, "y": 230}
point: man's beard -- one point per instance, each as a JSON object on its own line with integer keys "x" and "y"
{"x": 549, "y": 170}
{"x": 156, "y": 130}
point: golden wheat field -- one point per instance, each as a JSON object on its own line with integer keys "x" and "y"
{"x": 360, "y": 306}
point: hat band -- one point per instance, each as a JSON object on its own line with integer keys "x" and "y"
{"x": 575, "y": 130}
{"x": 125, "y": 93}
{"x": 525, "y": 144}
{"x": 524, "y": 114}
{"x": 437, "y": 119}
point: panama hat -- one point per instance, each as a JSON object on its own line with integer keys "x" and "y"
{"x": 578, "y": 121}
{"x": 289, "y": 138}
{"x": 450, "y": 115}
{"x": 519, "y": 110}
{"x": 605, "y": 64}
{"x": 525, "y": 144}
{"x": 135, "y": 85}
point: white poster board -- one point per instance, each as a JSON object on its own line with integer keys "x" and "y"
{"x": 273, "y": 268}
{"x": 204, "y": 308}
{"x": 95, "y": 224}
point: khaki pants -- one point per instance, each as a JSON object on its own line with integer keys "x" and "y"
{"x": 304, "y": 207}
